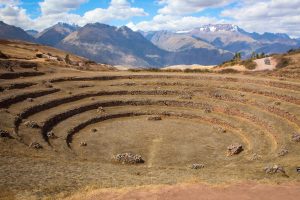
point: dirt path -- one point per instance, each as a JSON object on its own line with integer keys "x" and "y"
{"x": 261, "y": 65}
{"x": 245, "y": 191}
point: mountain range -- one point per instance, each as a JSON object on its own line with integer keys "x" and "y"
{"x": 205, "y": 45}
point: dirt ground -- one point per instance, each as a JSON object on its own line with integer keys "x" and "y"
{"x": 245, "y": 191}
{"x": 61, "y": 128}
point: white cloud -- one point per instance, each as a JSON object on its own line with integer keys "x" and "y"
{"x": 59, "y": 6}
{"x": 180, "y": 7}
{"x": 170, "y": 22}
{"x": 15, "y": 15}
{"x": 54, "y": 11}
{"x": 267, "y": 16}
{"x": 118, "y": 9}
{"x": 9, "y": 2}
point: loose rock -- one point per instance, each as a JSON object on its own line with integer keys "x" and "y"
{"x": 234, "y": 149}
{"x": 100, "y": 110}
{"x": 83, "y": 144}
{"x": 35, "y": 145}
{"x": 154, "y": 118}
{"x": 4, "y": 133}
{"x": 31, "y": 124}
{"x": 197, "y": 166}
{"x": 51, "y": 134}
{"x": 128, "y": 158}
{"x": 274, "y": 169}
{"x": 94, "y": 130}
{"x": 255, "y": 156}
{"x": 283, "y": 152}
{"x": 296, "y": 137}
{"x": 30, "y": 99}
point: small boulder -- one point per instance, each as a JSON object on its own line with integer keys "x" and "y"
{"x": 274, "y": 169}
{"x": 296, "y": 137}
{"x": 298, "y": 169}
{"x": 31, "y": 124}
{"x": 234, "y": 149}
{"x": 197, "y": 166}
{"x": 35, "y": 145}
{"x": 51, "y": 134}
{"x": 154, "y": 118}
{"x": 255, "y": 156}
{"x": 283, "y": 152}
{"x": 83, "y": 144}
{"x": 30, "y": 99}
{"x": 94, "y": 130}
{"x": 100, "y": 109}
{"x": 4, "y": 134}
{"x": 128, "y": 158}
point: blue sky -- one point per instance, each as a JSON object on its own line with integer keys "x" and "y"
{"x": 252, "y": 15}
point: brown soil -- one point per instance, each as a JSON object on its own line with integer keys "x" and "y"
{"x": 245, "y": 191}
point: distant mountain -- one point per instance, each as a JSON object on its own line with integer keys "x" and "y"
{"x": 206, "y": 45}
{"x": 14, "y": 33}
{"x": 225, "y": 37}
{"x": 33, "y": 33}
{"x": 109, "y": 44}
{"x": 122, "y": 46}
{"x": 53, "y": 35}
{"x": 176, "y": 42}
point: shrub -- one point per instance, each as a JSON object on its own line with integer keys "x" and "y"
{"x": 196, "y": 71}
{"x": 228, "y": 71}
{"x": 282, "y": 62}
{"x": 249, "y": 64}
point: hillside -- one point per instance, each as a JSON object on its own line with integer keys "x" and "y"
{"x": 14, "y": 33}
{"x": 55, "y": 34}
{"x": 24, "y": 56}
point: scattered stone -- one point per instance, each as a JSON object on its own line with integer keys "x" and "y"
{"x": 283, "y": 152}
{"x": 128, "y": 158}
{"x": 274, "y": 169}
{"x": 217, "y": 95}
{"x": 222, "y": 130}
{"x": 100, "y": 109}
{"x": 70, "y": 92}
{"x": 185, "y": 96}
{"x": 242, "y": 95}
{"x": 255, "y": 156}
{"x": 51, "y": 134}
{"x": 4, "y": 133}
{"x": 35, "y": 145}
{"x": 31, "y": 124}
{"x": 234, "y": 149}
{"x": 30, "y": 99}
{"x": 39, "y": 55}
{"x": 298, "y": 169}
{"x": 83, "y": 144}
{"x": 197, "y": 166}
{"x": 277, "y": 103}
{"x": 94, "y": 130}
{"x": 48, "y": 85}
{"x": 154, "y": 118}
{"x": 296, "y": 137}
{"x": 207, "y": 110}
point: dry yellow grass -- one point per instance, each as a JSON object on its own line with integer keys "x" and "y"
{"x": 201, "y": 115}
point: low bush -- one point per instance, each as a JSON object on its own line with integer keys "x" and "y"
{"x": 249, "y": 64}
{"x": 282, "y": 62}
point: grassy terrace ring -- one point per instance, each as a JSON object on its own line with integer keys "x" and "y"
{"x": 72, "y": 129}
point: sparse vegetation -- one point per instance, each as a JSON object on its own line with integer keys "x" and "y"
{"x": 282, "y": 62}
{"x": 249, "y": 64}
{"x": 168, "y": 125}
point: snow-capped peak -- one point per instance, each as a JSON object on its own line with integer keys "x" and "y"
{"x": 219, "y": 27}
